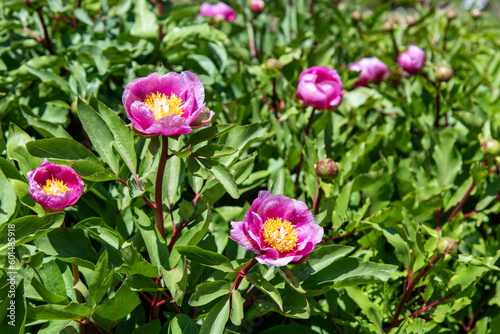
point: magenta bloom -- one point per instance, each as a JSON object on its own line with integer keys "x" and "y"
{"x": 412, "y": 60}
{"x": 219, "y": 10}
{"x": 169, "y": 104}
{"x": 278, "y": 229}
{"x": 320, "y": 87}
{"x": 371, "y": 69}
{"x": 256, "y": 5}
{"x": 53, "y": 186}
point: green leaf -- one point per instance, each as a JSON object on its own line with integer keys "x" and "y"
{"x": 340, "y": 209}
{"x": 7, "y": 199}
{"x": 152, "y": 327}
{"x": 241, "y": 138}
{"x": 123, "y": 137}
{"x": 156, "y": 246}
{"x": 291, "y": 279}
{"x": 100, "y": 280}
{"x": 123, "y": 302}
{"x": 61, "y": 149}
{"x": 224, "y": 176}
{"x": 185, "y": 210}
{"x": 135, "y": 264}
{"x": 209, "y": 291}
{"x": 9, "y": 170}
{"x": 237, "y": 312}
{"x": 92, "y": 172}
{"x": 181, "y": 323}
{"x": 23, "y": 193}
{"x": 47, "y": 295}
{"x": 349, "y": 272}
{"x": 447, "y": 157}
{"x": 145, "y": 25}
{"x": 278, "y": 186}
{"x": 28, "y": 228}
{"x": 16, "y": 149}
{"x": 192, "y": 236}
{"x": 58, "y": 312}
{"x": 215, "y": 322}
{"x": 99, "y": 133}
{"x": 206, "y": 258}
{"x": 265, "y": 286}
{"x": 214, "y": 151}
{"x": 206, "y": 134}
{"x": 192, "y": 33}
{"x": 69, "y": 245}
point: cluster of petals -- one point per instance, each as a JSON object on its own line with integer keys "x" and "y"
{"x": 149, "y": 102}
{"x": 412, "y": 60}
{"x": 54, "y": 186}
{"x": 320, "y": 87}
{"x": 293, "y": 235}
{"x": 218, "y": 10}
{"x": 371, "y": 69}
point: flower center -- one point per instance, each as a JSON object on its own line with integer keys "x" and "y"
{"x": 54, "y": 186}
{"x": 163, "y": 106}
{"x": 280, "y": 235}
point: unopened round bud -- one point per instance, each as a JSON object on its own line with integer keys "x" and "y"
{"x": 273, "y": 64}
{"x": 411, "y": 21}
{"x": 256, "y": 5}
{"x": 447, "y": 246}
{"x": 476, "y": 14}
{"x": 443, "y": 73}
{"x": 388, "y": 26}
{"x": 356, "y": 16}
{"x": 491, "y": 147}
{"x": 451, "y": 15}
{"x": 327, "y": 169}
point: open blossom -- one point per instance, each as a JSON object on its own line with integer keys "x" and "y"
{"x": 371, "y": 69}
{"x": 54, "y": 186}
{"x": 219, "y": 11}
{"x": 320, "y": 87}
{"x": 169, "y": 104}
{"x": 278, "y": 229}
{"x": 412, "y": 60}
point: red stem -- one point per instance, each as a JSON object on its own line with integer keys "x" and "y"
{"x": 45, "y": 36}
{"x": 395, "y": 319}
{"x": 148, "y": 202}
{"x": 242, "y": 273}
{"x": 425, "y": 308}
{"x": 170, "y": 300}
{"x": 461, "y": 204}
{"x": 160, "y": 225}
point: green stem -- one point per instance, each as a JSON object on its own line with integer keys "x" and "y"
{"x": 299, "y": 166}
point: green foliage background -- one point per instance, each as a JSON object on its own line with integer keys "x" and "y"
{"x": 406, "y": 182}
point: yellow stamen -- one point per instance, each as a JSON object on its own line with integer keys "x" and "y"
{"x": 280, "y": 235}
{"x": 163, "y": 106}
{"x": 55, "y": 186}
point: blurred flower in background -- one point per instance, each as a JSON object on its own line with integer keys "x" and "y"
{"x": 371, "y": 69}
{"x": 219, "y": 11}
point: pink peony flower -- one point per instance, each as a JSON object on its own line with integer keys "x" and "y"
{"x": 412, "y": 60}
{"x": 371, "y": 69}
{"x": 169, "y": 104}
{"x": 320, "y": 87}
{"x": 256, "y": 5}
{"x": 53, "y": 186}
{"x": 278, "y": 229}
{"x": 219, "y": 10}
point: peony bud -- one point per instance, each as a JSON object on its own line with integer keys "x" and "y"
{"x": 411, "y": 21}
{"x": 451, "y": 15}
{"x": 491, "y": 147}
{"x": 476, "y": 14}
{"x": 443, "y": 73}
{"x": 447, "y": 246}
{"x": 327, "y": 169}
{"x": 273, "y": 64}
{"x": 356, "y": 16}
{"x": 388, "y": 26}
{"x": 256, "y": 5}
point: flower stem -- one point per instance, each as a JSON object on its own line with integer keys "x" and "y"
{"x": 461, "y": 204}
{"x": 159, "y": 186}
{"x": 395, "y": 319}
{"x": 242, "y": 273}
{"x": 45, "y": 36}
{"x": 308, "y": 128}
{"x": 438, "y": 104}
